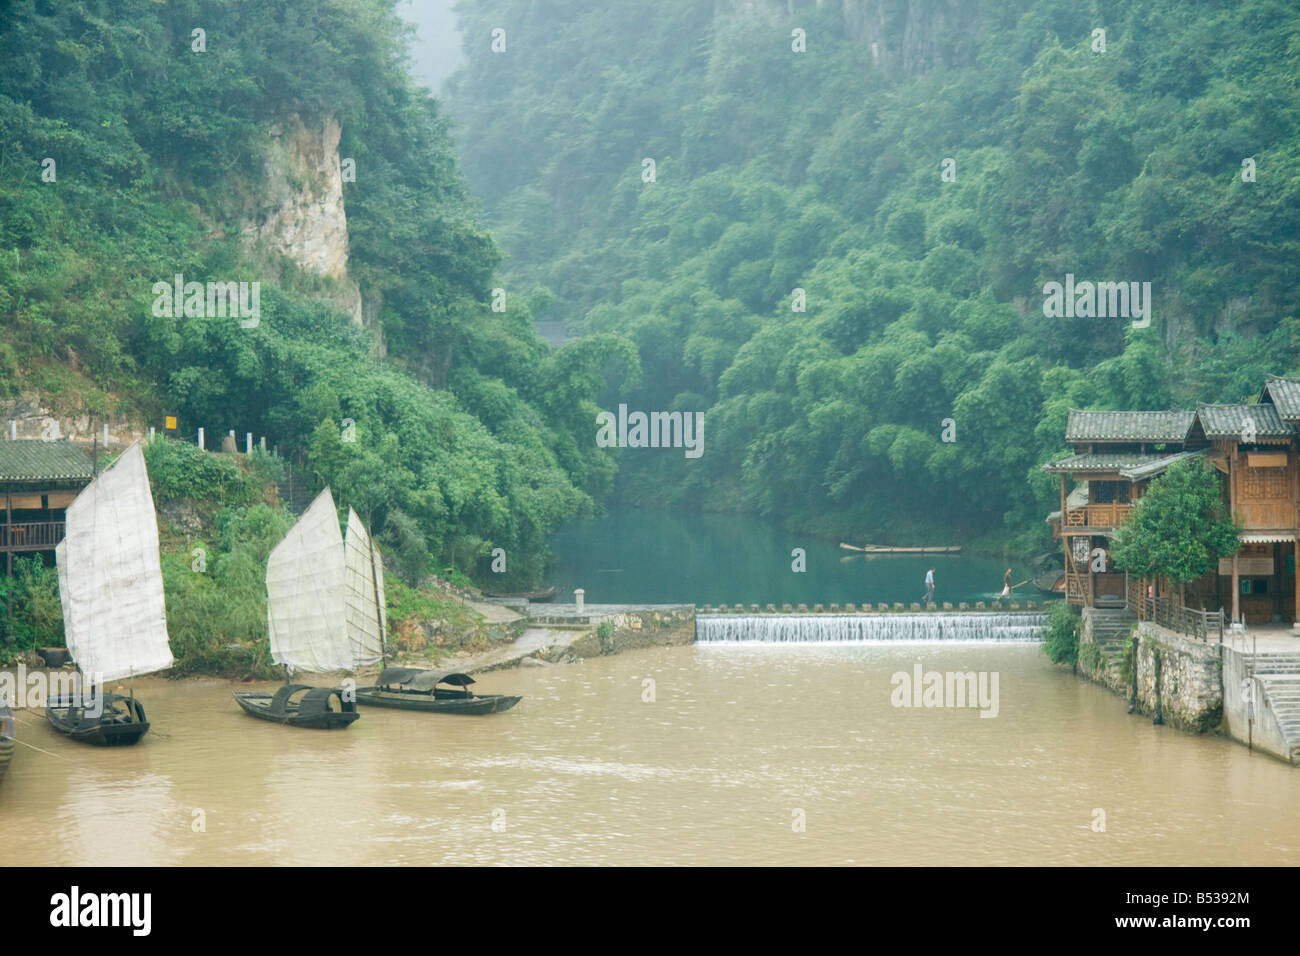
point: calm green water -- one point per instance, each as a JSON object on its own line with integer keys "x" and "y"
{"x": 635, "y": 557}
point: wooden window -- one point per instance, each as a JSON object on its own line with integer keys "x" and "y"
{"x": 1264, "y": 484}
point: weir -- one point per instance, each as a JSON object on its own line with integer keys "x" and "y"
{"x": 1022, "y": 626}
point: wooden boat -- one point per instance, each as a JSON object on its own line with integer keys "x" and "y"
{"x": 1051, "y": 582}
{"x": 411, "y": 688}
{"x": 8, "y": 737}
{"x": 121, "y": 723}
{"x": 324, "y": 610}
{"x": 114, "y": 612}
{"x": 299, "y": 705}
{"x": 545, "y": 595}
{"x": 886, "y": 549}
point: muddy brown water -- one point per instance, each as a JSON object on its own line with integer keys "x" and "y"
{"x": 738, "y": 744}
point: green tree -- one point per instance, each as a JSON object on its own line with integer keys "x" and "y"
{"x": 1179, "y": 529}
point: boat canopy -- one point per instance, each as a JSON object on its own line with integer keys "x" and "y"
{"x": 416, "y": 678}
{"x": 110, "y": 577}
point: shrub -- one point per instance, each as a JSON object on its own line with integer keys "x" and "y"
{"x": 181, "y": 470}
{"x": 1061, "y": 640}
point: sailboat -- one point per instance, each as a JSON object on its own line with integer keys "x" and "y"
{"x": 405, "y": 688}
{"x": 114, "y": 613}
{"x": 307, "y": 617}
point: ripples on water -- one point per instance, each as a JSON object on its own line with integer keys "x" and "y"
{"x": 737, "y": 739}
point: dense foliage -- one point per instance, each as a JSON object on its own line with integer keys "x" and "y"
{"x": 1061, "y": 636}
{"x": 466, "y": 425}
{"x": 31, "y": 596}
{"x": 822, "y": 171}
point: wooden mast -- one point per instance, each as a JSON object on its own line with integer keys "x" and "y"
{"x": 379, "y": 611}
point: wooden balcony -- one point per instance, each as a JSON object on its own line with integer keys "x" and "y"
{"x": 1097, "y": 516}
{"x": 30, "y": 535}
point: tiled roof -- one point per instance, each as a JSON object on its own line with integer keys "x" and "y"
{"x": 1102, "y": 462}
{"x": 1127, "y": 426}
{"x": 1285, "y": 395}
{"x": 1229, "y": 421}
{"x": 31, "y": 459}
{"x": 1151, "y": 469}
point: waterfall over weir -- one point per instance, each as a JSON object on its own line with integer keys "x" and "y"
{"x": 863, "y": 628}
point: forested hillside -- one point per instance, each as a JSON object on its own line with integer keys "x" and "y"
{"x": 134, "y": 138}
{"x": 1163, "y": 149}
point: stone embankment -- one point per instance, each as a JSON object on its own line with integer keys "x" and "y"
{"x": 552, "y": 633}
{"x": 1247, "y": 688}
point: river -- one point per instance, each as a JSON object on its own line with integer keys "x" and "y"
{"x": 738, "y": 741}
{"x": 634, "y": 556}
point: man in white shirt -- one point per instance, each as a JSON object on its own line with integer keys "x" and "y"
{"x": 929, "y": 587}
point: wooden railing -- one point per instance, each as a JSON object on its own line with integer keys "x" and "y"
{"x": 1097, "y": 516}
{"x": 1197, "y": 624}
{"x": 31, "y": 535}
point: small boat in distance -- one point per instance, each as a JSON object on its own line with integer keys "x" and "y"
{"x": 114, "y": 612}
{"x": 310, "y": 613}
{"x": 411, "y": 688}
{"x": 886, "y": 549}
{"x": 8, "y": 737}
{"x": 545, "y": 595}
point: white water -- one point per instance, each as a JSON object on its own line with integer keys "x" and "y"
{"x": 867, "y": 628}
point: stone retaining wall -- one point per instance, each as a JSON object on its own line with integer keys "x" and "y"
{"x": 630, "y": 629}
{"x": 1189, "y": 689}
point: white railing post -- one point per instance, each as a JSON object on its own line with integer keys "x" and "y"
{"x": 200, "y": 438}
{"x": 248, "y": 443}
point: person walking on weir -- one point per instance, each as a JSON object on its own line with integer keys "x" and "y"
{"x": 929, "y": 587}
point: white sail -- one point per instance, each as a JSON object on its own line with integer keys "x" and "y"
{"x": 110, "y": 577}
{"x": 366, "y": 615}
{"x": 305, "y": 583}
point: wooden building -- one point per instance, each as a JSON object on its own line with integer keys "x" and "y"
{"x": 38, "y": 480}
{"x": 1117, "y": 454}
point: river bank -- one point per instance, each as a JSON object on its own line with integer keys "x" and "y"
{"x": 1245, "y": 688}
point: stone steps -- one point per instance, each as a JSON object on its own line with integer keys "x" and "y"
{"x": 1279, "y": 682}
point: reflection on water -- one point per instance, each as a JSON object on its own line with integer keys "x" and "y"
{"x": 737, "y": 739}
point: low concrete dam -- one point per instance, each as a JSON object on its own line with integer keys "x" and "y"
{"x": 863, "y": 628}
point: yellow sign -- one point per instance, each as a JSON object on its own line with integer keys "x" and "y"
{"x": 171, "y": 421}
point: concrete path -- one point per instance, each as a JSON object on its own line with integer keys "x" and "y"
{"x": 493, "y": 613}
{"x": 546, "y": 643}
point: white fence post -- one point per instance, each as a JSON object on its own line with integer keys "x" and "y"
{"x": 200, "y": 438}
